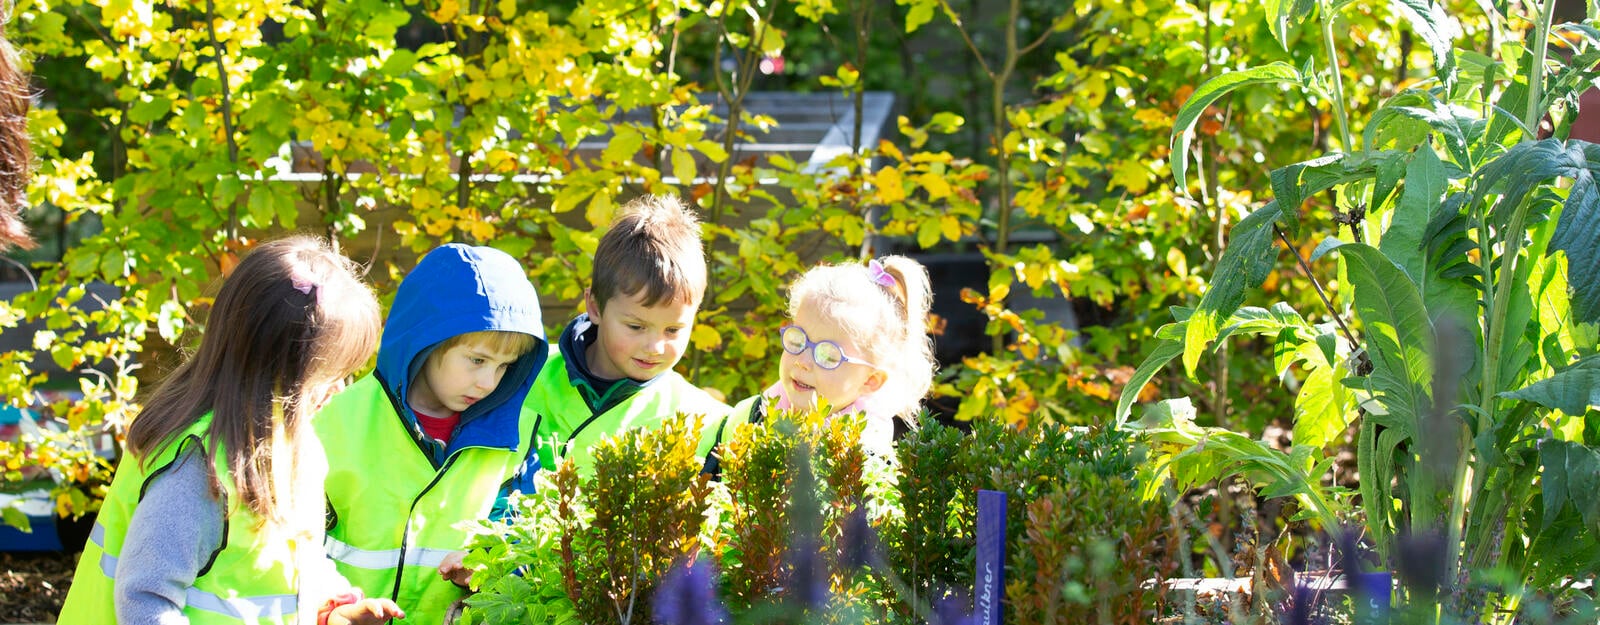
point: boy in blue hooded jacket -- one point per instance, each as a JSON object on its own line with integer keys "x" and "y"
{"x": 435, "y": 435}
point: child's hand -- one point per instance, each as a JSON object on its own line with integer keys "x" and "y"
{"x": 365, "y": 612}
{"x": 452, "y": 569}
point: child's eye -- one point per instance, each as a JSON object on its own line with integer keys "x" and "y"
{"x": 476, "y": 361}
{"x": 635, "y": 327}
{"x": 674, "y": 331}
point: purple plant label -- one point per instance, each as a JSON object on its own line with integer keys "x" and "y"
{"x": 1374, "y": 589}
{"x": 990, "y": 581}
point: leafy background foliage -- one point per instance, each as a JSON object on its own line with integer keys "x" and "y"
{"x": 172, "y": 135}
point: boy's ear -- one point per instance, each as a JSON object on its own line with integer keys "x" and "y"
{"x": 588, "y": 303}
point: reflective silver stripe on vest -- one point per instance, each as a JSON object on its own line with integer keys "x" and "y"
{"x": 272, "y": 607}
{"x": 108, "y": 562}
{"x": 245, "y": 608}
{"x": 383, "y": 558}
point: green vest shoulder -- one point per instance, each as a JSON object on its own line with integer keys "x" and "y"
{"x": 569, "y": 427}
{"x": 248, "y": 581}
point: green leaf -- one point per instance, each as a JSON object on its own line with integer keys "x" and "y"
{"x": 683, "y": 166}
{"x": 1164, "y": 352}
{"x": 1189, "y": 113}
{"x": 1457, "y": 125}
{"x": 1285, "y": 14}
{"x": 1398, "y": 334}
{"x": 386, "y": 22}
{"x": 260, "y": 208}
{"x": 1423, "y": 194}
{"x": 1572, "y": 390}
{"x": 1527, "y": 166}
{"x": 399, "y": 62}
{"x": 1322, "y": 407}
{"x": 1448, "y": 280}
{"x": 1571, "y": 474}
{"x": 1256, "y": 320}
{"x": 921, "y": 12}
{"x": 1292, "y": 185}
{"x": 147, "y": 111}
{"x": 11, "y": 515}
{"x": 623, "y": 145}
{"x": 928, "y": 233}
{"x": 1431, "y": 21}
{"x": 1246, "y": 262}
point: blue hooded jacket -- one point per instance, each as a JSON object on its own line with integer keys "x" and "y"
{"x": 456, "y": 289}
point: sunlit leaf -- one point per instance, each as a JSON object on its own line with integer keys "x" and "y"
{"x": 1183, "y": 128}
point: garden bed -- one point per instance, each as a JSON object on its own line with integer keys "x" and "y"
{"x": 33, "y": 585}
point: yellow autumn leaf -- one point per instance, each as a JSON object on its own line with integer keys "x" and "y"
{"x": 950, "y": 227}
{"x": 934, "y": 184}
{"x": 705, "y": 337}
{"x": 890, "y": 186}
{"x": 447, "y": 11}
{"x": 1153, "y": 119}
{"x": 1177, "y": 261}
{"x": 1132, "y": 175}
{"x": 889, "y": 149}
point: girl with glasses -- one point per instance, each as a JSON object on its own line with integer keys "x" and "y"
{"x": 857, "y": 341}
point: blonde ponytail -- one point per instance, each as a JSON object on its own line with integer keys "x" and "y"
{"x": 914, "y": 349}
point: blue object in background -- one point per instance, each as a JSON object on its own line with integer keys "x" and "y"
{"x": 1374, "y": 591}
{"x": 44, "y": 537}
{"x": 990, "y": 578}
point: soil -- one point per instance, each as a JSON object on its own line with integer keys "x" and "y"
{"x": 33, "y": 585}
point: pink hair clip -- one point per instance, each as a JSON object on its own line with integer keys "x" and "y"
{"x": 302, "y": 285}
{"x": 879, "y": 275}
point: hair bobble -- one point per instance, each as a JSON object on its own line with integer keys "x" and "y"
{"x": 302, "y": 285}
{"x": 880, "y": 275}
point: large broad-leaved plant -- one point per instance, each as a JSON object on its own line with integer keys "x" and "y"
{"x": 1460, "y": 335}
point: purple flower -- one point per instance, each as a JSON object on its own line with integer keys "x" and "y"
{"x": 1301, "y": 606}
{"x": 808, "y": 575}
{"x": 688, "y": 596}
{"x": 860, "y": 544}
{"x": 1422, "y": 561}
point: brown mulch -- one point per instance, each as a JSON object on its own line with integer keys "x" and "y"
{"x": 33, "y": 585}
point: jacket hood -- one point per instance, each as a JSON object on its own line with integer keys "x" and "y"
{"x": 456, "y": 289}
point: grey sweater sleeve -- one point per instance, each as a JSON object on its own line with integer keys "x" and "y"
{"x": 174, "y": 531}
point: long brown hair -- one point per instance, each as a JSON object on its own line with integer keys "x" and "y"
{"x": 291, "y": 320}
{"x": 16, "y": 154}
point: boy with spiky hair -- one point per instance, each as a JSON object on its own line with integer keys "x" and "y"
{"x": 613, "y": 367}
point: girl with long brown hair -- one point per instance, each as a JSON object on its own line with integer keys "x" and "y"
{"x": 216, "y": 512}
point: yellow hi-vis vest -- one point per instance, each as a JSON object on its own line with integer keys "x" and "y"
{"x": 568, "y": 428}
{"x": 245, "y": 582}
{"x": 393, "y": 513}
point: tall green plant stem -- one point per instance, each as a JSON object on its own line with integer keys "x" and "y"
{"x": 1541, "y": 43}
{"x": 1501, "y": 288}
{"x": 1494, "y": 340}
{"x": 1340, "y": 116}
